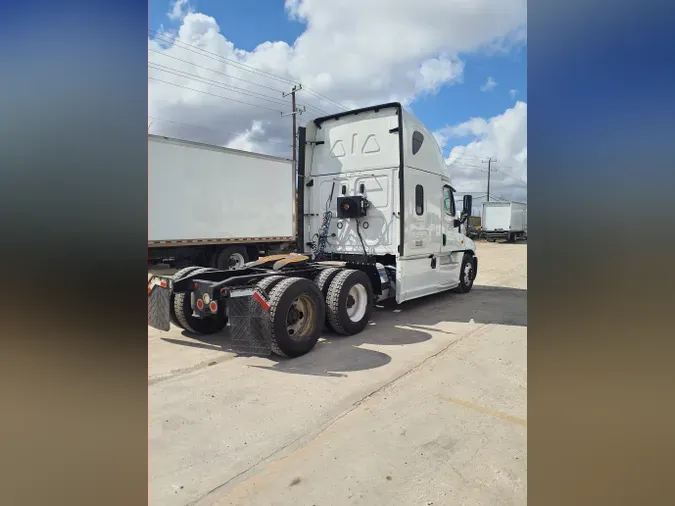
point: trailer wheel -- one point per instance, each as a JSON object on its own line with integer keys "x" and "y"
{"x": 323, "y": 281}
{"x": 182, "y": 306}
{"x": 230, "y": 258}
{"x": 467, "y": 273}
{"x": 349, "y": 302}
{"x": 297, "y": 311}
{"x": 512, "y": 237}
{"x": 177, "y": 275}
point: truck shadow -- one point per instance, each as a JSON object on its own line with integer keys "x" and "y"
{"x": 391, "y": 325}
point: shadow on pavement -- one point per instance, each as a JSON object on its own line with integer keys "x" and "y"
{"x": 335, "y": 355}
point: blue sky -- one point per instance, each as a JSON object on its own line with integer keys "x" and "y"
{"x": 252, "y": 22}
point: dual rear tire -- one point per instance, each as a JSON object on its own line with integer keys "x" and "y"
{"x": 342, "y": 299}
{"x": 181, "y": 309}
{"x": 349, "y": 302}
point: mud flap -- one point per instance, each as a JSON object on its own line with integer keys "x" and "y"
{"x": 158, "y": 308}
{"x": 250, "y": 325}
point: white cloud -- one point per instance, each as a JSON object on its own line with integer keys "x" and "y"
{"x": 413, "y": 49}
{"x": 489, "y": 84}
{"x": 178, "y": 9}
{"x": 502, "y": 137}
{"x": 513, "y": 93}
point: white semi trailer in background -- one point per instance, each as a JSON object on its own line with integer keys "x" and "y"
{"x": 504, "y": 220}
{"x": 214, "y": 206}
{"x": 376, "y": 219}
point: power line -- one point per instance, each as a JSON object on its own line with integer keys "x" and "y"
{"x": 213, "y": 82}
{"x": 214, "y": 70}
{"x": 329, "y": 100}
{"x": 512, "y": 175}
{"x": 237, "y": 64}
{"x": 214, "y": 95}
{"x": 230, "y": 76}
{"x": 243, "y": 66}
{"x": 456, "y": 164}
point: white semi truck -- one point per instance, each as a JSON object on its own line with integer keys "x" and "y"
{"x": 215, "y": 206}
{"x": 376, "y": 219}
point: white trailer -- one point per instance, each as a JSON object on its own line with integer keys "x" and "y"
{"x": 209, "y": 205}
{"x": 376, "y": 219}
{"x": 507, "y": 220}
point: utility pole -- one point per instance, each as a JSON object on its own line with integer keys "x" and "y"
{"x": 489, "y": 162}
{"x": 294, "y": 113}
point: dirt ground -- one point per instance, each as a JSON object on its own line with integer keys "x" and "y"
{"x": 427, "y": 406}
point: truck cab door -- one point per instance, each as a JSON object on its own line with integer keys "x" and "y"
{"x": 452, "y": 242}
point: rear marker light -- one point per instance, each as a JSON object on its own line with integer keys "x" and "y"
{"x": 200, "y": 304}
{"x": 213, "y": 306}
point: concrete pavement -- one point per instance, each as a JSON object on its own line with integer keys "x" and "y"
{"x": 428, "y": 405}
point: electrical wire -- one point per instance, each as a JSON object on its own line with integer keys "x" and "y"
{"x": 322, "y": 234}
{"x": 247, "y": 68}
{"x": 363, "y": 244}
{"x": 214, "y": 95}
{"x": 213, "y": 82}
{"x": 232, "y": 77}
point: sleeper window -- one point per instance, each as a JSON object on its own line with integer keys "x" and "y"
{"x": 417, "y": 140}
{"x": 419, "y": 200}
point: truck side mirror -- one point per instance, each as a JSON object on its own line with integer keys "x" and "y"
{"x": 467, "y": 203}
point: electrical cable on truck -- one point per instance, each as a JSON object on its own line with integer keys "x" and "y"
{"x": 322, "y": 234}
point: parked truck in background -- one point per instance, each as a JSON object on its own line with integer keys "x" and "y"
{"x": 376, "y": 220}
{"x": 504, "y": 220}
{"x": 217, "y": 207}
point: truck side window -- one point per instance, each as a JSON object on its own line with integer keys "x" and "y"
{"x": 417, "y": 140}
{"x": 419, "y": 200}
{"x": 448, "y": 201}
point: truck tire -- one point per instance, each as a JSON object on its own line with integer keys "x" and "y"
{"x": 267, "y": 284}
{"x": 177, "y": 275}
{"x": 512, "y": 237}
{"x": 349, "y": 302}
{"x": 467, "y": 274}
{"x": 230, "y": 258}
{"x": 297, "y": 312}
{"x": 323, "y": 280}
{"x": 182, "y": 306}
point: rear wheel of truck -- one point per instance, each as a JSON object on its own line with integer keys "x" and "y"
{"x": 349, "y": 302}
{"x": 182, "y": 306}
{"x": 267, "y": 284}
{"x": 467, "y": 273}
{"x": 297, "y": 312}
{"x": 323, "y": 281}
{"x": 230, "y": 258}
{"x": 177, "y": 275}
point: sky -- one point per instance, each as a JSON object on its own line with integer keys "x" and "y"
{"x": 218, "y": 69}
